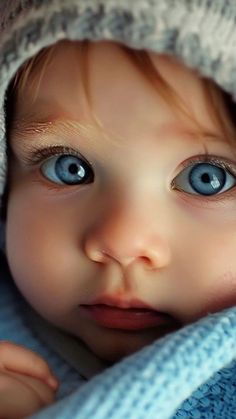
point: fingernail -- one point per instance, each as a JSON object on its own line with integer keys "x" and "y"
{"x": 53, "y": 383}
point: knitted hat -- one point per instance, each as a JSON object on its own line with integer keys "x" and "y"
{"x": 201, "y": 33}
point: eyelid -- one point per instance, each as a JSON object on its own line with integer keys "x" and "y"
{"x": 222, "y": 162}
{"x": 37, "y": 155}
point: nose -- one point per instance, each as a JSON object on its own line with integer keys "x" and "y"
{"x": 127, "y": 237}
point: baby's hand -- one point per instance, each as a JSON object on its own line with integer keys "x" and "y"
{"x": 25, "y": 385}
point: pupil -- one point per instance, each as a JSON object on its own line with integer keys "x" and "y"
{"x": 205, "y": 178}
{"x": 73, "y": 169}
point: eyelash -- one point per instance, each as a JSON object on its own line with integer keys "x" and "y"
{"x": 37, "y": 156}
{"x": 218, "y": 161}
{"x": 224, "y": 163}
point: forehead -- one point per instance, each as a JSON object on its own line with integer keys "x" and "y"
{"x": 109, "y": 79}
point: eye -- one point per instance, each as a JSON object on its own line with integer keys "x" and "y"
{"x": 204, "y": 179}
{"x": 67, "y": 170}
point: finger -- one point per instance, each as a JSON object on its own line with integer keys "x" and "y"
{"x": 17, "y": 358}
{"x": 41, "y": 390}
{"x": 17, "y": 400}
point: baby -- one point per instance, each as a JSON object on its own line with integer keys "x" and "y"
{"x": 122, "y": 172}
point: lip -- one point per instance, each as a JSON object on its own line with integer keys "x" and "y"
{"x": 114, "y": 301}
{"x": 134, "y": 314}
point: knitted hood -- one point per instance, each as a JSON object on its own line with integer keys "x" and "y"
{"x": 201, "y": 33}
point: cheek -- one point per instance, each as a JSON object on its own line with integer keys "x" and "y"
{"x": 218, "y": 271}
{"x": 32, "y": 269}
{"x": 223, "y": 292}
{"x": 207, "y": 266}
{"x": 35, "y": 245}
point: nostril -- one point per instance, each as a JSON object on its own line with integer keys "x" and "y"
{"x": 146, "y": 261}
{"x": 148, "y": 255}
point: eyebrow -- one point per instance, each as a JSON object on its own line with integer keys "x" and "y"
{"x": 36, "y": 126}
{"x": 26, "y": 129}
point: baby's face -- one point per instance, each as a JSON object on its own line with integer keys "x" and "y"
{"x": 129, "y": 216}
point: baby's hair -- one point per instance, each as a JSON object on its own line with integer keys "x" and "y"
{"x": 216, "y": 98}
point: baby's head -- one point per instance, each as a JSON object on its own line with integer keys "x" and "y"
{"x": 120, "y": 199}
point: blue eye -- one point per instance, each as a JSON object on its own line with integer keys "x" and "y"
{"x": 67, "y": 170}
{"x": 204, "y": 179}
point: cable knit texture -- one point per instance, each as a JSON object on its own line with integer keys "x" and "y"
{"x": 187, "y": 374}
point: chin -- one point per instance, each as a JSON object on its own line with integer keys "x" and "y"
{"x": 114, "y": 353}
{"x": 119, "y": 344}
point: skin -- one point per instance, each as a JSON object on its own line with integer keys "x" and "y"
{"x": 128, "y": 233}
{"x": 24, "y": 378}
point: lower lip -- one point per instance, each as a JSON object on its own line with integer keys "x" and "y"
{"x": 125, "y": 319}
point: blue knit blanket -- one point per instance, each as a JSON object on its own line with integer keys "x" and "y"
{"x": 190, "y": 373}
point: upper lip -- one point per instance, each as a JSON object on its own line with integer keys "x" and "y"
{"x": 114, "y": 301}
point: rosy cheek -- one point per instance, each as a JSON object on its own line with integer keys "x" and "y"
{"x": 223, "y": 294}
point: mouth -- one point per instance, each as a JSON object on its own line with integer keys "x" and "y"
{"x": 130, "y": 315}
